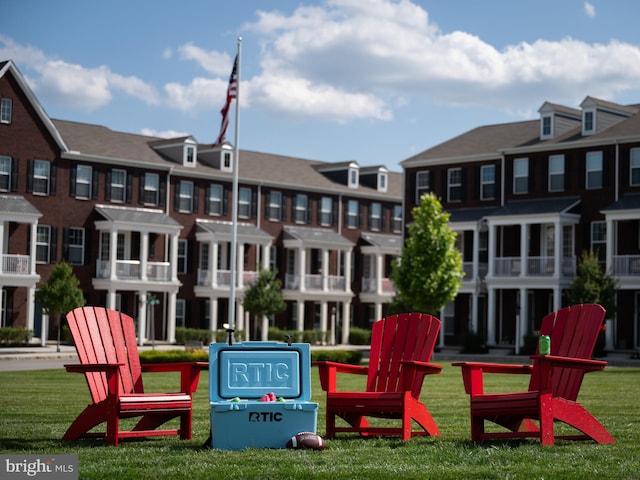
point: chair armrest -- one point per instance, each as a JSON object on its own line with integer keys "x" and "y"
{"x": 548, "y": 362}
{"x": 189, "y": 372}
{"x": 472, "y": 373}
{"x": 328, "y": 373}
{"x": 94, "y": 367}
{"x": 424, "y": 367}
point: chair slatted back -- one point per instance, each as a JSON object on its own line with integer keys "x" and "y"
{"x": 396, "y": 339}
{"x": 102, "y": 335}
{"x": 573, "y": 331}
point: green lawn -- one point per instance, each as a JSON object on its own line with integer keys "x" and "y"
{"x": 38, "y": 406}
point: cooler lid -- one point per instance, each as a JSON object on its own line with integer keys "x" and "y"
{"x": 248, "y": 370}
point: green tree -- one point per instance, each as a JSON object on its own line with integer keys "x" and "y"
{"x": 428, "y": 273}
{"x": 592, "y": 285}
{"x": 264, "y": 296}
{"x": 60, "y": 293}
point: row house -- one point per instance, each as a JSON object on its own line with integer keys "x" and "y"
{"x": 526, "y": 199}
{"x": 146, "y": 224}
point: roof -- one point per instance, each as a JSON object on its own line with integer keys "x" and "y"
{"x": 137, "y": 217}
{"x": 629, "y": 201}
{"x": 462, "y": 215}
{"x": 317, "y": 236}
{"x": 101, "y": 143}
{"x": 383, "y": 241}
{"x": 224, "y": 229}
{"x": 533, "y": 206}
{"x": 17, "y": 206}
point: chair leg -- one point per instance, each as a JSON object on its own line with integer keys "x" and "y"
{"x": 477, "y": 429}
{"x": 330, "y": 425}
{"x": 89, "y": 418}
{"x": 576, "y": 416}
{"x": 546, "y": 415}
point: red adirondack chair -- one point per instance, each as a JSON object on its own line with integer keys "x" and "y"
{"x": 401, "y": 348}
{"x": 106, "y": 344}
{"x": 553, "y": 388}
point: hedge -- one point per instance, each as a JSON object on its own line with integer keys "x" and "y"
{"x": 15, "y": 336}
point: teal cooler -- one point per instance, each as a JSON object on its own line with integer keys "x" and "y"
{"x": 248, "y": 370}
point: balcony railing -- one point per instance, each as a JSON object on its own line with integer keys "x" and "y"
{"x": 15, "y": 264}
{"x": 131, "y": 270}
{"x": 626, "y": 265}
{"x": 369, "y": 285}
{"x": 535, "y": 266}
{"x": 223, "y": 277}
{"x": 314, "y": 282}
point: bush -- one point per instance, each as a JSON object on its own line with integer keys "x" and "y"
{"x": 530, "y": 343}
{"x": 15, "y": 336}
{"x": 170, "y": 356}
{"x": 359, "y": 336}
{"x": 342, "y": 356}
{"x": 184, "y": 335}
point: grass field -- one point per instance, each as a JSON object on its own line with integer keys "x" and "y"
{"x": 38, "y": 406}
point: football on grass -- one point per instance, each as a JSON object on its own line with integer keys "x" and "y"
{"x": 306, "y": 441}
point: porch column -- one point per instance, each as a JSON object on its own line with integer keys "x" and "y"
{"x": 300, "y": 316}
{"x": 33, "y": 249}
{"x": 144, "y": 255}
{"x": 213, "y": 314}
{"x": 113, "y": 254}
{"x": 346, "y": 322}
{"x": 347, "y": 272}
{"x": 142, "y": 317}
{"x": 111, "y": 299}
{"x": 524, "y": 235}
{"x": 324, "y": 312}
{"x": 557, "y": 250}
{"x": 31, "y": 302}
{"x": 240, "y": 266}
{"x": 174, "y": 258}
{"x": 378, "y": 310}
{"x": 610, "y": 245}
{"x": 521, "y": 320}
{"x": 302, "y": 268}
{"x": 266, "y": 256}
{"x": 475, "y": 268}
{"x": 491, "y": 316}
{"x": 491, "y": 250}
{"x": 379, "y": 270}
{"x": 325, "y": 271}
{"x": 213, "y": 263}
{"x": 171, "y": 317}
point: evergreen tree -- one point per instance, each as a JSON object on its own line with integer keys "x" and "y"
{"x": 60, "y": 294}
{"x": 428, "y": 273}
{"x": 592, "y": 285}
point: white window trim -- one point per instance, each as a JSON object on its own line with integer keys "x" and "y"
{"x": 81, "y": 247}
{"x": 543, "y": 135}
{"x": 215, "y": 200}
{"x": 632, "y": 167}
{"x": 483, "y": 183}
{"x": 154, "y": 190}
{"x": 550, "y": 173}
{"x": 8, "y": 173}
{"x": 516, "y": 177}
{"x": 383, "y": 182}
{"x": 3, "y": 102}
{"x": 587, "y": 170}
{"x": 353, "y": 179}
{"x": 420, "y": 188}
{"x": 594, "y": 127}
{"x": 451, "y": 186}
{"x": 183, "y": 196}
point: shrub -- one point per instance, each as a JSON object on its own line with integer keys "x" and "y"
{"x": 15, "y": 336}
{"x": 530, "y": 343}
{"x": 472, "y": 342}
{"x": 169, "y": 356}
{"x": 359, "y": 336}
{"x": 343, "y": 356}
{"x": 193, "y": 334}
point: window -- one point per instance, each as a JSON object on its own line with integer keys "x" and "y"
{"x": 244, "y": 203}
{"x": 396, "y": 224}
{"x": 226, "y": 162}
{"x": 454, "y": 184}
{"x": 375, "y": 216}
{"x": 588, "y": 122}
{"x": 352, "y": 214}
{"x": 181, "y": 309}
{"x": 423, "y": 185}
{"x": 215, "y": 199}
{"x": 520, "y": 175}
{"x": 43, "y": 240}
{"x": 74, "y": 245}
{"x": 382, "y": 182}
{"x": 41, "y": 173}
{"x": 118, "y": 185}
{"x": 185, "y": 196}
{"x": 594, "y": 170}
{"x": 150, "y": 189}
{"x": 182, "y": 255}
{"x": 546, "y": 126}
{"x": 189, "y": 156}
{"x": 488, "y": 182}
{"x": 83, "y": 181}
{"x": 5, "y": 173}
{"x": 274, "y": 208}
{"x": 556, "y": 173}
{"x": 599, "y": 240}
{"x": 326, "y": 211}
{"x": 353, "y": 177}
{"x": 634, "y": 174}
{"x": 6, "y": 106}
{"x": 567, "y": 241}
{"x": 300, "y": 208}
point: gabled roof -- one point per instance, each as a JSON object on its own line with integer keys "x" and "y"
{"x": 536, "y": 206}
{"x": 315, "y": 236}
{"x": 629, "y": 201}
{"x": 8, "y": 67}
{"x": 224, "y": 230}
{"x": 17, "y": 208}
{"x": 382, "y": 241}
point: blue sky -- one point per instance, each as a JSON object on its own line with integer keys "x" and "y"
{"x": 375, "y": 81}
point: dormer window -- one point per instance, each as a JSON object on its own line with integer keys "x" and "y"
{"x": 226, "y": 162}
{"x": 353, "y": 177}
{"x": 546, "y": 127}
{"x": 588, "y": 122}
{"x": 382, "y": 182}
{"x": 189, "y": 156}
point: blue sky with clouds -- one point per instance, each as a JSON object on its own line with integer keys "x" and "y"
{"x": 375, "y": 81}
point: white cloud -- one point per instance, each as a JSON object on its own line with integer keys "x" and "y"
{"x": 150, "y": 132}
{"x": 212, "y": 62}
{"x": 589, "y": 9}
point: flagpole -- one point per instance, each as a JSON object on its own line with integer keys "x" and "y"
{"x": 234, "y": 206}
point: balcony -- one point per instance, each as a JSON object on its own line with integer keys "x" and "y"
{"x": 626, "y": 265}
{"x": 15, "y": 264}
{"x": 223, "y": 277}
{"x": 467, "y": 269}
{"x": 132, "y": 270}
{"x": 369, "y": 286}
{"x": 314, "y": 282}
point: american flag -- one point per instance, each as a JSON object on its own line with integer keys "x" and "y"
{"x": 232, "y": 92}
